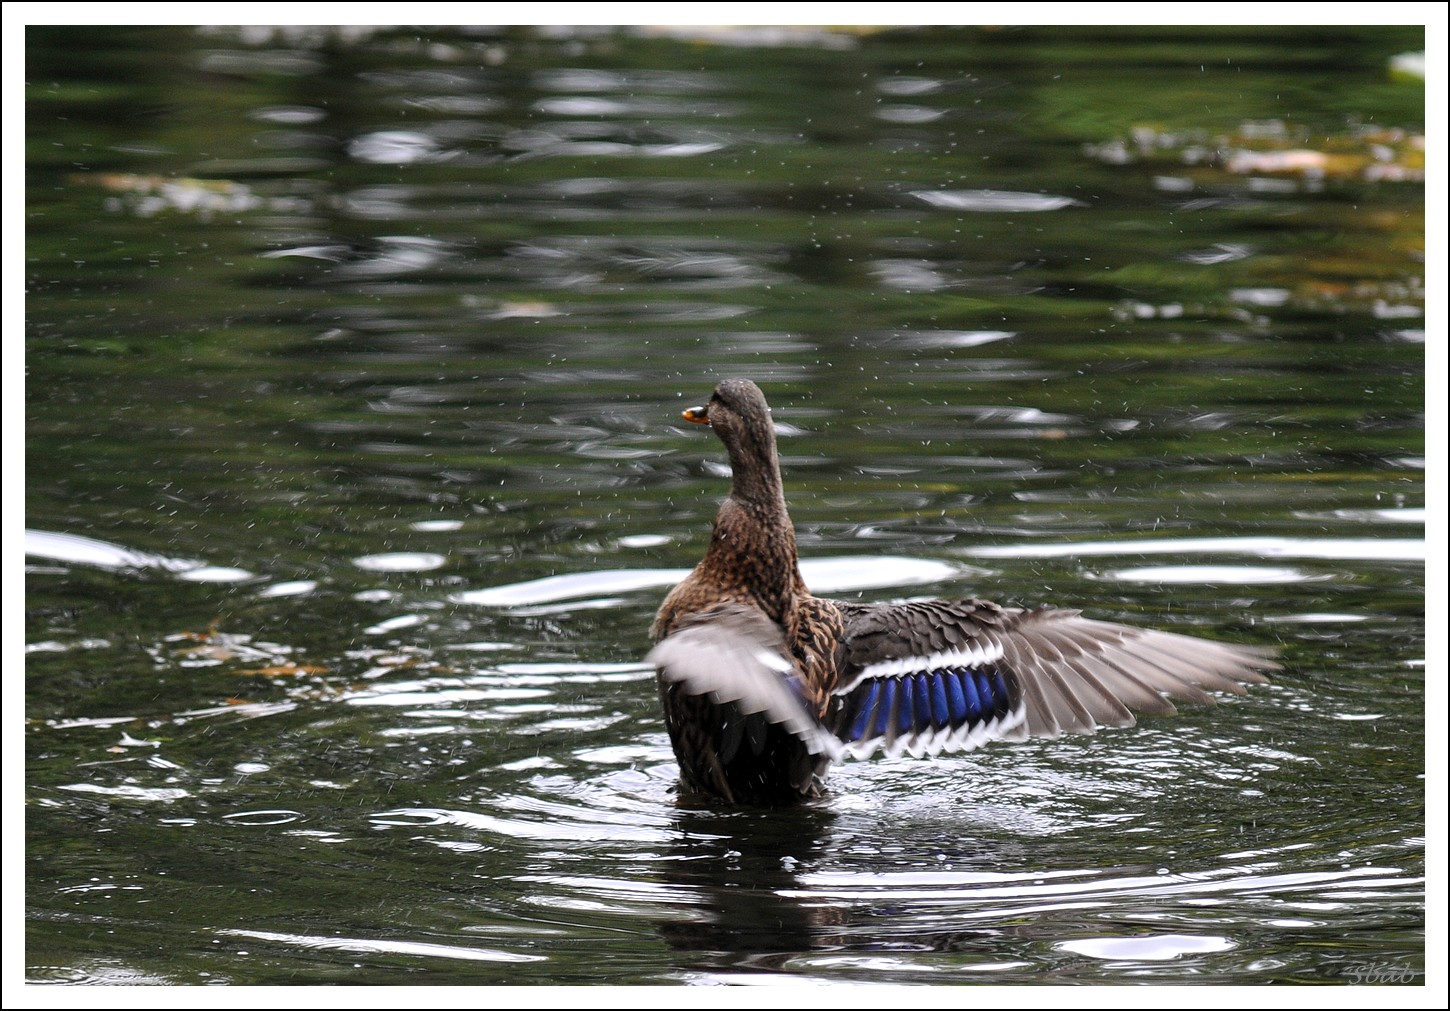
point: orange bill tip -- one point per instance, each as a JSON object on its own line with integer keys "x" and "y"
{"x": 696, "y": 414}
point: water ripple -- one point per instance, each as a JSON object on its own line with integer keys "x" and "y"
{"x": 995, "y": 201}
{"x": 361, "y": 945}
{"x": 1369, "y": 549}
{"x": 564, "y": 824}
{"x": 1087, "y": 885}
{"x": 824, "y": 575}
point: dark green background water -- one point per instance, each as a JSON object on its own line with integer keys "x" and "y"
{"x": 338, "y": 340}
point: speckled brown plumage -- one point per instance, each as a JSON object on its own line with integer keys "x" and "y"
{"x": 764, "y": 685}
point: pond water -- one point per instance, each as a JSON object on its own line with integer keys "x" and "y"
{"x": 354, "y": 476}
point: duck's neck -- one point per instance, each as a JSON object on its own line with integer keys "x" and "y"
{"x": 755, "y": 469}
{"x": 753, "y": 546}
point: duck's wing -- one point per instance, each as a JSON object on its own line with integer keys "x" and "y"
{"x": 932, "y": 676}
{"x": 1077, "y": 674}
{"x": 735, "y": 658}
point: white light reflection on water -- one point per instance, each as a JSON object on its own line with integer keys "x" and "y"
{"x": 1150, "y": 947}
{"x": 996, "y": 201}
{"x": 401, "y": 561}
{"x": 1370, "y": 549}
{"x": 823, "y": 575}
{"x": 80, "y": 550}
{"x": 1196, "y": 574}
{"x": 1034, "y": 886}
{"x": 373, "y": 946}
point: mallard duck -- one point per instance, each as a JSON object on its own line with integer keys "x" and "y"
{"x": 764, "y": 686}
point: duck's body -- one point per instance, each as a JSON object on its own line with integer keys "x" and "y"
{"x": 765, "y": 685}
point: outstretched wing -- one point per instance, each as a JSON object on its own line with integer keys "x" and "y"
{"x": 1077, "y": 674}
{"x": 933, "y": 676}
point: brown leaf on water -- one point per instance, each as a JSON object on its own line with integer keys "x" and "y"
{"x": 282, "y": 670}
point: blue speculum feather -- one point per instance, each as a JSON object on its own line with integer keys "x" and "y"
{"x": 974, "y": 696}
{"x": 921, "y": 701}
{"x": 994, "y": 689}
{"x": 888, "y": 697}
{"x": 869, "y": 697}
{"x": 941, "y": 710}
{"x": 905, "y": 719}
{"x": 957, "y": 704}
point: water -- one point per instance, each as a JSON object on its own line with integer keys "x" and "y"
{"x": 354, "y": 474}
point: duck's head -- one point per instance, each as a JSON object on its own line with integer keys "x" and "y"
{"x": 739, "y": 415}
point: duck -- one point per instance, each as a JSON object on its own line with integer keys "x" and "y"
{"x": 765, "y": 686}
